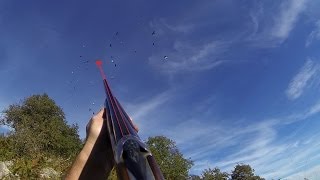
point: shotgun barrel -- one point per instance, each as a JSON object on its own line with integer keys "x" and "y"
{"x": 133, "y": 159}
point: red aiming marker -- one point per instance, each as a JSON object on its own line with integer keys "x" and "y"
{"x": 99, "y": 64}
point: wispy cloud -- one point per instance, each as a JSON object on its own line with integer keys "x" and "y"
{"x": 250, "y": 142}
{"x": 287, "y": 18}
{"x": 276, "y": 28}
{"x": 314, "y": 35}
{"x": 144, "y": 112}
{"x": 313, "y": 110}
{"x": 185, "y": 57}
{"x": 302, "y": 79}
{"x": 145, "y": 107}
{"x": 184, "y": 28}
{"x": 270, "y": 27}
{"x": 258, "y": 144}
{"x": 293, "y": 160}
{"x": 312, "y": 173}
{"x": 255, "y": 16}
{"x": 161, "y": 26}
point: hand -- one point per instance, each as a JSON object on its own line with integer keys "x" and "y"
{"x": 95, "y": 126}
{"x": 134, "y": 125}
{"x": 95, "y": 161}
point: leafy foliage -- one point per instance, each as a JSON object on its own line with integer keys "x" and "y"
{"x": 171, "y": 161}
{"x": 244, "y": 172}
{"x": 194, "y": 177}
{"x": 40, "y": 126}
{"x": 214, "y": 174}
{"x": 5, "y": 148}
{"x": 113, "y": 175}
{"x": 40, "y": 138}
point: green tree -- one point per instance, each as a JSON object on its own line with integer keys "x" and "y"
{"x": 40, "y": 137}
{"x": 40, "y": 127}
{"x": 244, "y": 172}
{"x": 113, "y": 174}
{"x": 171, "y": 161}
{"x": 5, "y": 145}
{"x": 214, "y": 174}
{"x": 194, "y": 177}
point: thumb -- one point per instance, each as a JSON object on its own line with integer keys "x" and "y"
{"x": 100, "y": 114}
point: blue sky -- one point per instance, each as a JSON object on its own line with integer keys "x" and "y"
{"x": 229, "y": 81}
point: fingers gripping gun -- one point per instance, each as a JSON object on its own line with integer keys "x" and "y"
{"x": 133, "y": 160}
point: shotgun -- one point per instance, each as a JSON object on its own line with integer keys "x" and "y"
{"x": 133, "y": 160}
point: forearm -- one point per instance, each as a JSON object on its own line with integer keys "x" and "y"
{"x": 80, "y": 162}
{"x": 93, "y": 162}
{"x": 96, "y": 160}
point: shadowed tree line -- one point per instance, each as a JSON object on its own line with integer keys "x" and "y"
{"x": 240, "y": 172}
{"x": 42, "y": 138}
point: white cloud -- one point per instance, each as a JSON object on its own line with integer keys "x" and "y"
{"x": 161, "y": 26}
{"x": 313, "y": 110}
{"x": 185, "y": 57}
{"x": 258, "y": 144}
{"x": 210, "y": 142}
{"x": 253, "y": 151}
{"x": 301, "y": 80}
{"x": 295, "y": 160}
{"x": 145, "y": 107}
{"x": 312, "y": 173}
{"x": 287, "y": 18}
{"x": 184, "y": 28}
{"x": 252, "y": 142}
{"x": 141, "y": 111}
{"x": 272, "y": 26}
{"x": 314, "y": 35}
{"x": 179, "y": 28}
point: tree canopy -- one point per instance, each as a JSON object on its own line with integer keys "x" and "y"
{"x": 40, "y": 137}
{"x": 40, "y": 126}
{"x": 171, "y": 161}
{"x": 214, "y": 174}
{"x": 244, "y": 172}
